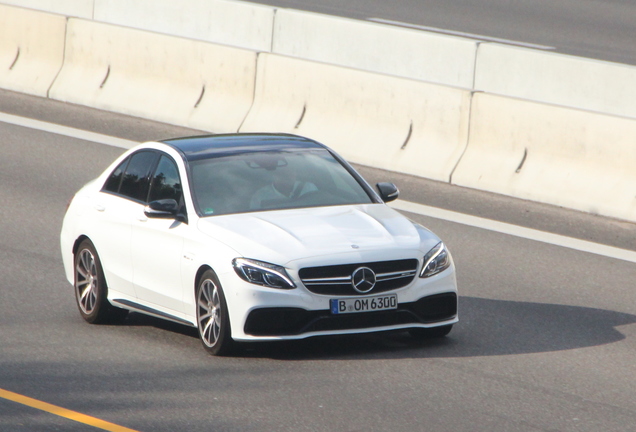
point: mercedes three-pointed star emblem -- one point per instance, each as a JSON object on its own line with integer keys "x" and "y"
{"x": 363, "y": 280}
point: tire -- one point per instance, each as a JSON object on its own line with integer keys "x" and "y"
{"x": 91, "y": 290}
{"x": 430, "y": 333}
{"x": 213, "y": 320}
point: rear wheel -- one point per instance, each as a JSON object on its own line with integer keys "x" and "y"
{"x": 213, "y": 320}
{"x": 90, "y": 288}
{"x": 430, "y": 333}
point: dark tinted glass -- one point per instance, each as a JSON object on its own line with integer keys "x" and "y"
{"x": 165, "y": 182}
{"x": 114, "y": 180}
{"x": 136, "y": 178}
{"x": 273, "y": 180}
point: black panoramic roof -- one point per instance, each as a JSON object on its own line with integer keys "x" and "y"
{"x": 209, "y": 146}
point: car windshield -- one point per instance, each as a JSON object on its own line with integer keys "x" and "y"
{"x": 272, "y": 180}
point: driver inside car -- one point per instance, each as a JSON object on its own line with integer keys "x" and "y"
{"x": 284, "y": 187}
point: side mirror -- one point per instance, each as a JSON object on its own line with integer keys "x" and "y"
{"x": 388, "y": 191}
{"x": 162, "y": 209}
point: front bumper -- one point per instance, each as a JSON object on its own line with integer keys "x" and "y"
{"x": 438, "y": 308}
{"x": 259, "y": 313}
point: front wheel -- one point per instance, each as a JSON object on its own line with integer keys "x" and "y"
{"x": 213, "y": 320}
{"x": 90, "y": 288}
{"x": 430, "y": 333}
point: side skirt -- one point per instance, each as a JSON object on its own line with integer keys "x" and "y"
{"x": 126, "y": 304}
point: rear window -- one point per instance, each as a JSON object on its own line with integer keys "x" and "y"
{"x": 131, "y": 178}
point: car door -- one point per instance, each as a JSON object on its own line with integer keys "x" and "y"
{"x": 157, "y": 244}
{"x": 122, "y": 196}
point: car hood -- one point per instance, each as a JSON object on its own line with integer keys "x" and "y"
{"x": 282, "y": 236}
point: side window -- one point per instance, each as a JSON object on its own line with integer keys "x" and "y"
{"x": 136, "y": 179}
{"x": 166, "y": 183}
{"x": 114, "y": 180}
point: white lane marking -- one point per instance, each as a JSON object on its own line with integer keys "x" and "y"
{"x": 66, "y": 131}
{"x": 517, "y": 231}
{"x": 434, "y": 212}
{"x": 461, "y": 34}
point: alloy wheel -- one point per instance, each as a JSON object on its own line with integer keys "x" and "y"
{"x": 209, "y": 313}
{"x": 86, "y": 281}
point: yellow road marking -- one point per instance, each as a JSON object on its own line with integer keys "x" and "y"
{"x": 63, "y": 412}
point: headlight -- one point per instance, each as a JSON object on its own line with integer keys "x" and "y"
{"x": 435, "y": 261}
{"x": 262, "y": 273}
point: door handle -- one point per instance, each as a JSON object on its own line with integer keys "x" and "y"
{"x": 99, "y": 207}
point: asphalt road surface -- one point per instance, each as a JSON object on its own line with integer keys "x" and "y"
{"x": 546, "y": 339}
{"x": 600, "y": 29}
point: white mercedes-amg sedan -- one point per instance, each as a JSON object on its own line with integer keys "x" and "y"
{"x": 253, "y": 237}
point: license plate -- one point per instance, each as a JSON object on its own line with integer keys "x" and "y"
{"x": 363, "y": 304}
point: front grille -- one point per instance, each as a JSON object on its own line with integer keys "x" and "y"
{"x": 336, "y": 279}
{"x": 295, "y": 321}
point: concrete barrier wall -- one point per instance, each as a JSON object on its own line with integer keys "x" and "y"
{"x": 31, "y": 49}
{"x": 392, "y": 123}
{"x": 70, "y": 8}
{"x": 557, "y": 79}
{"x": 155, "y": 76}
{"x": 551, "y": 154}
{"x": 526, "y": 139}
{"x": 235, "y": 23}
{"x": 375, "y": 47}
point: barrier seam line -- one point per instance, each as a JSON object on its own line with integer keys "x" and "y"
{"x": 477, "y": 46}
{"x": 48, "y": 91}
{"x": 271, "y": 45}
{"x": 63, "y": 412}
{"x": 468, "y": 129}
{"x": 256, "y": 74}
{"x": 421, "y": 209}
{"x": 470, "y": 114}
